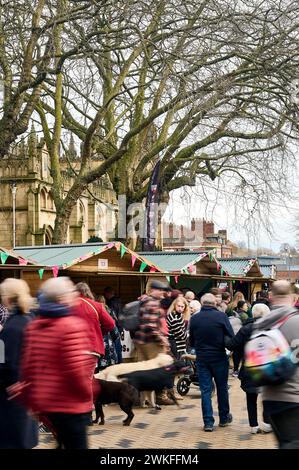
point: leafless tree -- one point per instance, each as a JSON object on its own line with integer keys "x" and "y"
{"x": 202, "y": 85}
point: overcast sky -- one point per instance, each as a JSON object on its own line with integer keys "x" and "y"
{"x": 226, "y": 215}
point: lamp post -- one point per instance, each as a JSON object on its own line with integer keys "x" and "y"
{"x": 14, "y": 191}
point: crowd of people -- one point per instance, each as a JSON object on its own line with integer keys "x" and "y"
{"x": 55, "y": 343}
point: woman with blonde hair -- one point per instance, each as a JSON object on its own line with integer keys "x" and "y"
{"x": 177, "y": 321}
{"x": 17, "y": 429}
{"x": 232, "y": 306}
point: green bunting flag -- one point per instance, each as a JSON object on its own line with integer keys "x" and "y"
{"x": 168, "y": 279}
{"x": 210, "y": 256}
{"x": 4, "y": 257}
{"x": 41, "y": 273}
{"x": 122, "y": 250}
{"x": 221, "y": 272}
{"x": 142, "y": 267}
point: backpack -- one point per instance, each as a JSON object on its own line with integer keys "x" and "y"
{"x": 129, "y": 317}
{"x": 268, "y": 356}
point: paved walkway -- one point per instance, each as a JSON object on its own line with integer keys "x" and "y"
{"x": 174, "y": 428}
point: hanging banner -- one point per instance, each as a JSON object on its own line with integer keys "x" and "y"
{"x": 176, "y": 278}
{"x": 122, "y": 250}
{"x": 133, "y": 260}
{"x": 152, "y": 201}
{"x": 41, "y": 273}
{"x": 55, "y": 270}
{"x": 4, "y": 257}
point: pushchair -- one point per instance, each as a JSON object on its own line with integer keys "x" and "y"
{"x": 190, "y": 377}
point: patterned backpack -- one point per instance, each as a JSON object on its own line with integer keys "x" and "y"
{"x": 268, "y": 356}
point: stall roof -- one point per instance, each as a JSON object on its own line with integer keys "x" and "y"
{"x": 241, "y": 266}
{"x": 11, "y": 257}
{"x": 172, "y": 261}
{"x": 65, "y": 256}
{"x": 268, "y": 271}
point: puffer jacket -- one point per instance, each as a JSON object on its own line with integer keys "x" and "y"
{"x": 57, "y": 365}
{"x": 98, "y": 321}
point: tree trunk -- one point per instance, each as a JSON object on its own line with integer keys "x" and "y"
{"x": 61, "y": 227}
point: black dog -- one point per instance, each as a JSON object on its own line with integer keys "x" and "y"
{"x": 156, "y": 379}
{"x": 106, "y": 392}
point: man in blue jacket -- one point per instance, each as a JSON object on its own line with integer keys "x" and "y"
{"x": 207, "y": 332}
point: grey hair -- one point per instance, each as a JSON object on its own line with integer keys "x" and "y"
{"x": 53, "y": 289}
{"x": 259, "y": 310}
{"x": 208, "y": 299}
{"x": 196, "y": 305}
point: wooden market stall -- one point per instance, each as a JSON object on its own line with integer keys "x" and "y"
{"x": 98, "y": 264}
{"x": 201, "y": 270}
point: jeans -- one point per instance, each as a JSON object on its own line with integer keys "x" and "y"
{"x": 207, "y": 371}
{"x": 286, "y": 428}
{"x": 70, "y": 429}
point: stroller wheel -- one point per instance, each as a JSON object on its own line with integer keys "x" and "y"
{"x": 183, "y": 386}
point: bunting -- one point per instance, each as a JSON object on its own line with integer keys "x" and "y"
{"x": 122, "y": 250}
{"x": 142, "y": 267}
{"x": 55, "y": 270}
{"x": 133, "y": 260}
{"x": 4, "y": 257}
{"x": 41, "y": 273}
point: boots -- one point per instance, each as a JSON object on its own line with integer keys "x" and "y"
{"x": 174, "y": 392}
{"x": 163, "y": 399}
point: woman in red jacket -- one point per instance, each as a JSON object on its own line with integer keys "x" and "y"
{"x": 98, "y": 320}
{"x": 57, "y": 366}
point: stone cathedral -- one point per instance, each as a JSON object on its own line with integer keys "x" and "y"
{"x": 27, "y": 167}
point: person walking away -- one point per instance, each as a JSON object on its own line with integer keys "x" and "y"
{"x": 98, "y": 320}
{"x": 17, "y": 429}
{"x": 207, "y": 332}
{"x": 281, "y": 402}
{"x": 150, "y": 338}
{"x": 217, "y": 292}
{"x": 58, "y": 365}
{"x": 237, "y": 344}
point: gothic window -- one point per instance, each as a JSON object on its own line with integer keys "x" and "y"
{"x": 43, "y": 199}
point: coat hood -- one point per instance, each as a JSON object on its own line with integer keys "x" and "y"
{"x": 51, "y": 309}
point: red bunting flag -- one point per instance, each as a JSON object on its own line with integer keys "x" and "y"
{"x": 55, "y": 270}
{"x": 23, "y": 262}
{"x": 153, "y": 269}
{"x": 176, "y": 278}
{"x": 133, "y": 259}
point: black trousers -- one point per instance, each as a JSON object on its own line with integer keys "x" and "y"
{"x": 251, "y": 399}
{"x": 236, "y": 360}
{"x": 286, "y": 428}
{"x": 70, "y": 429}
